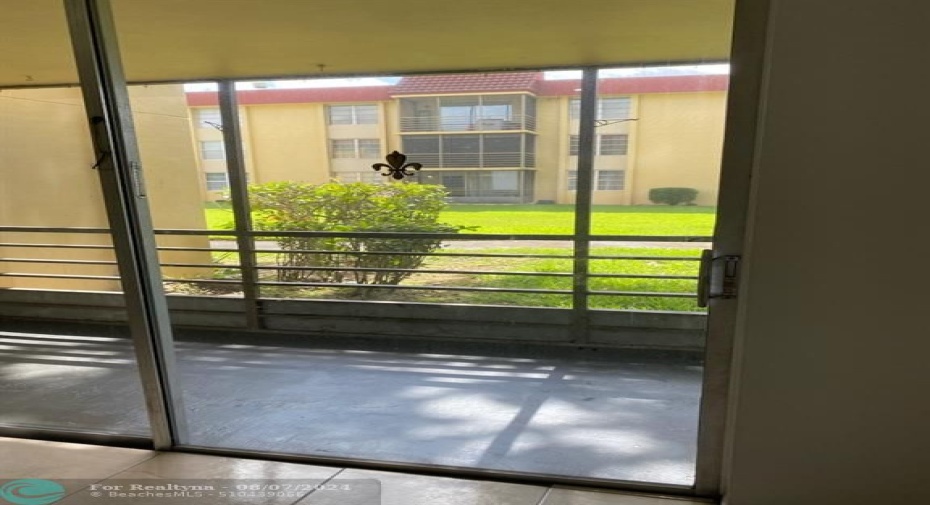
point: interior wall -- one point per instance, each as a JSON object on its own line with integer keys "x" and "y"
{"x": 831, "y": 400}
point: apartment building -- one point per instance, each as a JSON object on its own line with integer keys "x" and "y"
{"x": 488, "y": 138}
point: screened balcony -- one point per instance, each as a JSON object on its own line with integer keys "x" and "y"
{"x": 468, "y": 113}
{"x": 489, "y": 150}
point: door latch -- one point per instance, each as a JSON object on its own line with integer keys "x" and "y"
{"x": 718, "y": 277}
{"x": 138, "y": 178}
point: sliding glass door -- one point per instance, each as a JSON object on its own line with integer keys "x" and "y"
{"x": 495, "y": 273}
{"x": 57, "y": 267}
{"x": 506, "y": 293}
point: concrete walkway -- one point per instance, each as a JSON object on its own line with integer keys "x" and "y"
{"x": 519, "y": 409}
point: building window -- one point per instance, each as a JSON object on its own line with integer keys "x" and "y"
{"x": 572, "y": 180}
{"x": 356, "y": 148}
{"x": 353, "y": 114}
{"x": 607, "y": 144}
{"x": 605, "y": 180}
{"x": 614, "y": 108}
{"x": 607, "y": 108}
{"x": 610, "y": 180}
{"x": 209, "y": 118}
{"x": 343, "y": 148}
{"x": 612, "y": 144}
{"x": 212, "y": 150}
{"x": 370, "y": 176}
{"x": 369, "y": 148}
{"x": 217, "y": 181}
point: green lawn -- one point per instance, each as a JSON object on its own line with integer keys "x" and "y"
{"x": 613, "y": 266}
{"x": 541, "y": 219}
{"x": 219, "y": 216}
{"x": 555, "y": 219}
{"x": 517, "y": 264}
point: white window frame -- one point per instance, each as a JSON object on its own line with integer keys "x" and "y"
{"x": 600, "y": 144}
{"x": 354, "y": 115}
{"x": 574, "y": 107}
{"x": 370, "y": 177}
{"x": 224, "y": 182}
{"x": 600, "y": 184}
{"x": 571, "y": 180}
{"x": 574, "y": 145}
{"x": 356, "y": 149}
{"x": 212, "y": 150}
{"x": 208, "y": 117}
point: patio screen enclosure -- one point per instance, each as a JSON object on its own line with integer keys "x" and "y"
{"x": 482, "y": 146}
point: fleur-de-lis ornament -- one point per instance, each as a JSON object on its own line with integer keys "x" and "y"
{"x": 397, "y": 166}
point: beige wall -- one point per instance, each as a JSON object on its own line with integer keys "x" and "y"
{"x": 832, "y": 402}
{"x": 291, "y": 142}
{"x": 678, "y": 142}
{"x": 550, "y": 152}
{"x": 601, "y": 162}
{"x": 47, "y": 180}
{"x": 390, "y": 114}
{"x": 288, "y": 143}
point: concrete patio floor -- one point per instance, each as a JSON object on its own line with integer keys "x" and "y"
{"x": 606, "y": 414}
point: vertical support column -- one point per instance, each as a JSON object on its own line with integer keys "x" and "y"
{"x": 583, "y": 189}
{"x": 239, "y": 196}
{"x": 106, "y": 99}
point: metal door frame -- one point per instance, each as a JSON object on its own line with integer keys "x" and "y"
{"x": 106, "y": 100}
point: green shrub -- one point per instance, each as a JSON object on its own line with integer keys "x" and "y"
{"x": 673, "y": 196}
{"x": 353, "y": 207}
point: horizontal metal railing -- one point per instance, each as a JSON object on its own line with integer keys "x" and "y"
{"x": 435, "y": 123}
{"x": 489, "y": 246}
{"x": 513, "y": 159}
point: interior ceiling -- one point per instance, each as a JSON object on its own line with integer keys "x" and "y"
{"x": 186, "y": 40}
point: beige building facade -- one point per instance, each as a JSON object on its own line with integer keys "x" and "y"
{"x": 488, "y": 138}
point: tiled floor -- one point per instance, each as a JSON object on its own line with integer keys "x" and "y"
{"x": 82, "y": 469}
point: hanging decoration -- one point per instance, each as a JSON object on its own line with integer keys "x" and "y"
{"x": 397, "y": 166}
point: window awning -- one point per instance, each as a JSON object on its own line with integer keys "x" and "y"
{"x": 188, "y": 40}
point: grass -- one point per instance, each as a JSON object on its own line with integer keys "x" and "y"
{"x": 219, "y": 216}
{"x": 553, "y": 219}
{"x": 539, "y": 219}
{"x": 605, "y": 219}
{"x": 651, "y": 267}
{"x": 554, "y": 265}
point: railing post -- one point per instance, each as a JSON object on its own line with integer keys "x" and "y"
{"x": 239, "y": 196}
{"x": 583, "y": 190}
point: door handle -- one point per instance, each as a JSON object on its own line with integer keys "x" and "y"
{"x": 703, "y": 287}
{"x": 728, "y": 278}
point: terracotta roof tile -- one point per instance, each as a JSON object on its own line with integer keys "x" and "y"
{"x": 467, "y": 83}
{"x": 470, "y": 83}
